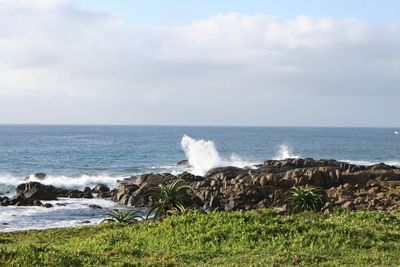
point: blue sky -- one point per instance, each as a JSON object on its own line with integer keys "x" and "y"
{"x": 161, "y": 12}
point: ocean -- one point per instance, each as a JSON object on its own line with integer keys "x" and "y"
{"x": 79, "y": 156}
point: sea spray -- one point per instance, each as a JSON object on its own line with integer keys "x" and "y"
{"x": 202, "y": 156}
{"x": 285, "y": 152}
{"x": 9, "y": 182}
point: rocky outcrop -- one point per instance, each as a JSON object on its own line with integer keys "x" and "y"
{"x": 345, "y": 185}
{"x": 37, "y": 191}
{"x": 32, "y": 193}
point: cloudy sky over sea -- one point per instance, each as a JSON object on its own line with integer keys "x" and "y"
{"x": 299, "y": 63}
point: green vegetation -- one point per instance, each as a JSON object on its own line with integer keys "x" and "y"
{"x": 171, "y": 199}
{"x": 124, "y": 217}
{"x": 302, "y": 199}
{"x": 219, "y": 238}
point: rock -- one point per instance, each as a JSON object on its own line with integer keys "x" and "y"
{"x": 87, "y": 190}
{"x": 188, "y": 177}
{"x": 155, "y": 179}
{"x": 129, "y": 180}
{"x": 37, "y": 191}
{"x": 85, "y": 222}
{"x": 349, "y": 205}
{"x": 88, "y": 195}
{"x": 76, "y": 194}
{"x": 381, "y": 166}
{"x": 104, "y": 195}
{"x": 142, "y": 178}
{"x": 227, "y": 172}
{"x": 282, "y": 209}
{"x": 21, "y": 189}
{"x": 230, "y": 188}
{"x": 95, "y": 206}
{"x": 100, "y": 188}
{"x": 40, "y": 175}
{"x": 184, "y": 162}
{"x": 48, "y": 205}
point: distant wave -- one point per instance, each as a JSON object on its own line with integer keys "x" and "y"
{"x": 368, "y": 162}
{"x": 202, "y": 156}
{"x": 78, "y": 182}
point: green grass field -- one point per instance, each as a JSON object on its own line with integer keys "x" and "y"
{"x": 220, "y": 238}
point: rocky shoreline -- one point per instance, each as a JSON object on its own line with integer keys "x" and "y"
{"x": 345, "y": 186}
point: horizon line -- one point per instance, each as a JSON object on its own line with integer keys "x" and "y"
{"x": 182, "y": 125}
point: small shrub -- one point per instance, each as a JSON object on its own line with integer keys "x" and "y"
{"x": 125, "y": 217}
{"x": 171, "y": 199}
{"x": 306, "y": 198}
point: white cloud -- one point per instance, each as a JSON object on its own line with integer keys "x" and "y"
{"x": 226, "y": 69}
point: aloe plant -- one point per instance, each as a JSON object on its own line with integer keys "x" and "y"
{"x": 306, "y": 198}
{"x": 171, "y": 199}
{"x": 125, "y": 217}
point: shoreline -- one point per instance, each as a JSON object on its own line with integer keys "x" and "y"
{"x": 345, "y": 186}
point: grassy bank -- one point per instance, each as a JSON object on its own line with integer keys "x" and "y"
{"x": 238, "y": 238}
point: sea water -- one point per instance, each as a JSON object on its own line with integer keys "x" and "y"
{"x": 80, "y": 156}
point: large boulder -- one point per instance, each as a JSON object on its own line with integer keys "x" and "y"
{"x": 100, "y": 188}
{"x": 37, "y": 191}
{"x": 155, "y": 179}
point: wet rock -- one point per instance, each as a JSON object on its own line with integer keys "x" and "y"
{"x": 40, "y": 175}
{"x": 100, "y": 188}
{"x": 93, "y": 206}
{"x": 184, "y": 162}
{"x": 76, "y": 194}
{"x": 104, "y": 195}
{"x": 37, "y": 191}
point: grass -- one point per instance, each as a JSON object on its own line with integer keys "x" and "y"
{"x": 219, "y": 238}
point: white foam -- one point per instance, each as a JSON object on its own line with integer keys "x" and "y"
{"x": 286, "y": 152}
{"x": 70, "y": 182}
{"x": 202, "y": 156}
{"x": 368, "y": 162}
{"x": 14, "y": 218}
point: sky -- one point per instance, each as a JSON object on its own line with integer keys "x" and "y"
{"x": 244, "y": 63}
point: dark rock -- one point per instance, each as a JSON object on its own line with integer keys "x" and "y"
{"x": 40, "y": 175}
{"x": 87, "y": 190}
{"x": 95, "y": 206}
{"x": 76, "y": 194}
{"x": 37, "y": 191}
{"x": 184, "y": 162}
{"x": 100, "y": 188}
{"x": 381, "y": 166}
{"x": 104, "y": 195}
{"x": 226, "y": 172}
{"x": 37, "y": 203}
{"x": 155, "y": 179}
{"x": 188, "y": 177}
